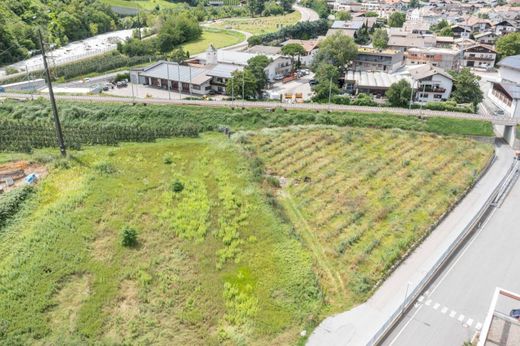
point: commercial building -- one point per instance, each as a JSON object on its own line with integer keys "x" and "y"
{"x": 506, "y": 93}
{"x": 371, "y": 59}
{"x": 445, "y": 58}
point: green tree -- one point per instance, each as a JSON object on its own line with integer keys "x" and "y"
{"x": 257, "y": 66}
{"x": 440, "y": 25}
{"x": 399, "y": 93}
{"x": 255, "y": 7}
{"x": 242, "y": 81}
{"x": 336, "y": 49}
{"x": 446, "y": 32}
{"x": 272, "y": 8}
{"x": 396, "y": 20}
{"x": 380, "y": 39}
{"x": 414, "y": 4}
{"x": 327, "y": 76}
{"x": 509, "y": 44}
{"x": 178, "y": 55}
{"x": 343, "y": 15}
{"x": 176, "y": 30}
{"x": 466, "y": 88}
{"x": 371, "y": 14}
{"x": 292, "y": 50}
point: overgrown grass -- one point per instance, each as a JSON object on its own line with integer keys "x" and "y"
{"x": 359, "y": 198}
{"x": 259, "y": 25}
{"x": 232, "y": 275}
{"x": 205, "y": 119}
{"x": 141, "y": 4}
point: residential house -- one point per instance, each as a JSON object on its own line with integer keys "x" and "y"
{"x": 445, "y": 58}
{"x": 431, "y": 83}
{"x": 509, "y": 69}
{"x": 476, "y": 24}
{"x": 403, "y": 40}
{"x": 480, "y": 55}
{"x": 460, "y": 31}
{"x": 371, "y": 59}
{"x": 506, "y": 26}
{"x": 486, "y": 38}
{"x": 444, "y": 41}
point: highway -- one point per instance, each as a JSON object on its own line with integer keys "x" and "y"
{"x": 454, "y": 307}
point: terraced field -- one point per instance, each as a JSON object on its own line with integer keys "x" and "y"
{"x": 360, "y": 198}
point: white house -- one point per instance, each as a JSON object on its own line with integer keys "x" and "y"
{"x": 506, "y": 93}
{"x": 431, "y": 83}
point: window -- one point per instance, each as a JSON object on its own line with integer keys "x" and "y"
{"x": 195, "y": 87}
{"x": 437, "y": 96}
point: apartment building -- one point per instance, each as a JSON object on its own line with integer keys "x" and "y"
{"x": 480, "y": 56}
{"x": 445, "y": 58}
{"x": 371, "y": 59}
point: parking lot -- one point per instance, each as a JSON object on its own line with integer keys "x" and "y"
{"x": 300, "y": 85}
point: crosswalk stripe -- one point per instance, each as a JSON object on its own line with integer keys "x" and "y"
{"x": 469, "y": 322}
{"x": 428, "y": 302}
{"x": 452, "y": 313}
{"x": 461, "y": 318}
{"x": 478, "y": 326}
{"x": 444, "y": 310}
{"x": 436, "y": 306}
{"x": 421, "y": 298}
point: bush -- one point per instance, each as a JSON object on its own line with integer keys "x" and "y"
{"x": 11, "y": 202}
{"x": 363, "y": 100}
{"x": 177, "y": 186}
{"x": 301, "y": 31}
{"x": 128, "y": 237}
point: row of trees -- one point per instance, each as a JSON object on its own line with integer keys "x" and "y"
{"x": 268, "y": 8}
{"x": 301, "y": 31}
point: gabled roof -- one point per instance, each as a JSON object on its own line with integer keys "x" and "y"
{"x": 347, "y": 25}
{"x": 176, "y": 72}
{"x": 486, "y": 46}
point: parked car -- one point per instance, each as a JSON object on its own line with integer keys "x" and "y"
{"x": 515, "y": 313}
{"x": 313, "y": 82}
{"x": 278, "y": 76}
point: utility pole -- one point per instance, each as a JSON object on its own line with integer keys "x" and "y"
{"x": 139, "y": 25}
{"x": 243, "y": 85}
{"x": 57, "y": 124}
{"x": 330, "y": 91}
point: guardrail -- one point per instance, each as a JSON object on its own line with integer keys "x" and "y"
{"x": 475, "y": 224}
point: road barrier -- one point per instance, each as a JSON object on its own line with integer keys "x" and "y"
{"x": 475, "y": 224}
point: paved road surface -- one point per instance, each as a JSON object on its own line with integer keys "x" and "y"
{"x": 457, "y": 302}
{"x": 307, "y": 13}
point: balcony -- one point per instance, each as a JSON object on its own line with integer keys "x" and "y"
{"x": 431, "y": 89}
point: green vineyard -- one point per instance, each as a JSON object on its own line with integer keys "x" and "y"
{"x": 24, "y": 136}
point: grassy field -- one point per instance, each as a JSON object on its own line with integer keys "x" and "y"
{"x": 259, "y": 25}
{"x": 213, "y": 265}
{"x": 359, "y": 198}
{"x": 141, "y": 4}
{"x": 219, "y": 39}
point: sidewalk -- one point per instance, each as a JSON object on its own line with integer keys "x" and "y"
{"x": 357, "y": 326}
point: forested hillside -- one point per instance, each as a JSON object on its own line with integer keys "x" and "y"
{"x": 62, "y": 20}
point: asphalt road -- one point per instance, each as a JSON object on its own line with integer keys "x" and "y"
{"x": 453, "y": 309}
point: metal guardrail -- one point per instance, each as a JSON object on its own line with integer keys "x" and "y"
{"x": 498, "y": 120}
{"x": 475, "y": 224}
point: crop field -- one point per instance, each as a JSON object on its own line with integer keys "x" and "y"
{"x": 360, "y": 198}
{"x": 219, "y": 39}
{"x": 259, "y": 25}
{"x": 213, "y": 264}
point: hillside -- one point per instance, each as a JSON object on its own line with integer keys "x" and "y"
{"x": 242, "y": 241}
{"x": 61, "y": 22}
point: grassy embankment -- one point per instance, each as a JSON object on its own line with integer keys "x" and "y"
{"x": 141, "y": 4}
{"x": 259, "y": 25}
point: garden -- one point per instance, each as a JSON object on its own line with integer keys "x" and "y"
{"x": 259, "y": 25}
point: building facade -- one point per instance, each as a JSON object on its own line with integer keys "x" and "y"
{"x": 480, "y": 56}
{"x": 371, "y": 59}
{"x": 445, "y": 58}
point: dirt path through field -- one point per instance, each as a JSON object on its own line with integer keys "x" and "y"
{"x": 310, "y": 238}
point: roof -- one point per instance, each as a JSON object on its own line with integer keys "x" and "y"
{"x": 483, "y": 34}
{"x": 404, "y": 41}
{"x": 375, "y": 51}
{"x": 511, "y": 62}
{"x": 223, "y": 70}
{"x": 445, "y": 39}
{"x": 434, "y": 50}
{"x": 512, "y": 89}
{"x": 376, "y": 79}
{"x": 347, "y": 25}
{"x": 418, "y": 72}
{"x": 488, "y": 47}
{"x": 238, "y": 58}
{"x": 308, "y": 45}
{"x": 260, "y": 49}
{"x": 174, "y": 71}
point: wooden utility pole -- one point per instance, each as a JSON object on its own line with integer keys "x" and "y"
{"x": 59, "y": 133}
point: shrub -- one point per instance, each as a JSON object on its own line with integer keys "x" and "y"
{"x": 129, "y": 237}
{"x": 177, "y": 186}
{"x": 11, "y": 202}
{"x": 167, "y": 160}
{"x": 105, "y": 168}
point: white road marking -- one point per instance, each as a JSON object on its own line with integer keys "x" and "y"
{"x": 436, "y": 306}
{"x": 444, "y": 310}
{"x": 469, "y": 322}
{"x": 453, "y": 313}
{"x": 478, "y": 326}
{"x": 428, "y": 302}
{"x": 460, "y": 255}
{"x": 461, "y": 318}
{"x": 421, "y": 298}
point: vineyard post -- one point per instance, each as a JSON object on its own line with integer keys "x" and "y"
{"x": 57, "y": 124}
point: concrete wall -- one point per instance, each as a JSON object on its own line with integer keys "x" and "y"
{"x": 509, "y": 75}
{"x": 508, "y": 133}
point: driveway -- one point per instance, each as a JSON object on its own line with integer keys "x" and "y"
{"x": 296, "y": 86}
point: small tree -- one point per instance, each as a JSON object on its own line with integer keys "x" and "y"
{"x": 396, "y": 20}
{"x": 327, "y": 76}
{"x": 337, "y": 49}
{"x": 293, "y": 49}
{"x": 446, "y": 32}
{"x": 242, "y": 83}
{"x": 177, "y": 186}
{"x": 380, "y": 39}
{"x": 466, "y": 87}
{"x": 399, "y": 93}
{"x": 128, "y": 237}
{"x": 343, "y": 15}
{"x": 509, "y": 44}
